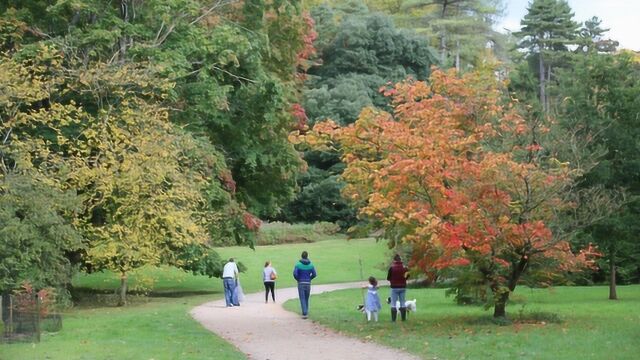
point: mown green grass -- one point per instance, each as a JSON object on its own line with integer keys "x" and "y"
{"x": 335, "y": 261}
{"x": 159, "y": 326}
{"x": 160, "y": 329}
{"x": 590, "y": 326}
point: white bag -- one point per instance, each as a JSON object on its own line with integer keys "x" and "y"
{"x": 239, "y": 293}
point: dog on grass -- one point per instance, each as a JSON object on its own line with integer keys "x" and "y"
{"x": 409, "y": 304}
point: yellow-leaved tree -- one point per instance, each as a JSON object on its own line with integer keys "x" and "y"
{"x": 151, "y": 193}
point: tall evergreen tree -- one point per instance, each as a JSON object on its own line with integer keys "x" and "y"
{"x": 592, "y": 37}
{"x": 460, "y": 29}
{"x": 547, "y": 29}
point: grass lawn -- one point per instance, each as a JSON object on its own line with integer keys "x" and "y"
{"x": 589, "y": 326}
{"x": 159, "y": 329}
{"x": 159, "y": 326}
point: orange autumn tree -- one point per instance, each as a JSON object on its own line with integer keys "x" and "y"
{"x": 458, "y": 176}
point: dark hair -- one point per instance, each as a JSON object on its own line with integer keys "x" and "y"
{"x": 373, "y": 281}
{"x": 267, "y": 263}
{"x": 304, "y": 255}
{"x": 230, "y": 259}
{"x": 397, "y": 258}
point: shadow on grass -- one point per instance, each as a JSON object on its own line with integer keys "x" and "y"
{"x": 463, "y": 321}
{"x": 89, "y": 297}
{"x": 536, "y": 317}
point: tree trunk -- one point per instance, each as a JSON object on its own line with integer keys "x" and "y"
{"x": 543, "y": 95}
{"x": 458, "y": 55}
{"x": 443, "y": 50}
{"x": 122, "y": 291}
{"x": 499, "y": 309}
{"x": 6, "y": 300}
{"x": 612, "y": 281}
{"x": 122, "y": 42}
{"x": 546, "y": 96}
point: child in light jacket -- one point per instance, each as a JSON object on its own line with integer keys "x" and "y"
{"x": 372, "y": 301}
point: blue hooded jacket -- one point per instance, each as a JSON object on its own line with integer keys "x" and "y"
{"x": 304, "y": 271}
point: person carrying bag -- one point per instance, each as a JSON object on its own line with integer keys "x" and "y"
{"x": 269, "y": 276}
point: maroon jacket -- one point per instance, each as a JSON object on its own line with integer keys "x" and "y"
{"x": 396, "y": 275}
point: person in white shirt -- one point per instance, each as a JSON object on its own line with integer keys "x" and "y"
{"x": 269, "y": 276}
{"x": 229, "y": 276}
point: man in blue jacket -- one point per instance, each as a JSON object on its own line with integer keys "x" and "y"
{"x": 304, "y": 272}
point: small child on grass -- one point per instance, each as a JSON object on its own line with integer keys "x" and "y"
{"x": 372, "y": 302}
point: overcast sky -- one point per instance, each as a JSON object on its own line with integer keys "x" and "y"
{"x": 622, "y": 17}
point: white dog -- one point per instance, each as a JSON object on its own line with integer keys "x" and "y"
{"x": 409, "y": 304}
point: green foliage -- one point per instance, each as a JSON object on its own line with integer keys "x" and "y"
{"x": 459, "y": 29}
{"x": 320, "y": 200}
{"x": 601, "y": 105}
{"x": 35, "y": 232}
{"x": 92, "y": 92}
{"x": 147, "y": 189}
{"x": 360, "y": 52}
{"x": 37, "y": 214}
{"x": 230, "y": 83}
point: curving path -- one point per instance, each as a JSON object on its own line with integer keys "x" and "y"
{"x": 268, "y": 332}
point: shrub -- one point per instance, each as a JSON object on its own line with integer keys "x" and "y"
{"x": 284, "y": 233}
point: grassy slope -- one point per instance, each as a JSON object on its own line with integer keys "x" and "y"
{"x": 335, "y": 261}
{"x": 591, "y": 326}
{"x": 160, "y": 327}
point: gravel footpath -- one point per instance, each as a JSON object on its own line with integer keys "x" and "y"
{"x": 268, "y": 332}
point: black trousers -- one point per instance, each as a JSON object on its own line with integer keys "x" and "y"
{"x": 269, "y": 286}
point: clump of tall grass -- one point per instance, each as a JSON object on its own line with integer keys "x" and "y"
{"x": 274, "y": 233}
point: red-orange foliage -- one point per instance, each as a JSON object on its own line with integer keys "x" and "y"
{"x": 251, "y": 222}
{"x": 25, "y": 299}
{"x": 457, "y": 174}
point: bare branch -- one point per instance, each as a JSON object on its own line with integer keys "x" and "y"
{"x": 217, "y": 4}
{"x": 237, "y": 77}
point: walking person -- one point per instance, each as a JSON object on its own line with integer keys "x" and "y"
{"x": 229, "y": 276}
{"x": 304, "y": 272}
{"x": 269, "y": 276}
{"x": 372, "y": 301}
{"x": 397, "y": 276}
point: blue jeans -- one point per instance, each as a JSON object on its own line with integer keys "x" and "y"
{"x": 229, "y": 287}
{"x": 304, "y": 290}
{"x": 395, "y": 294}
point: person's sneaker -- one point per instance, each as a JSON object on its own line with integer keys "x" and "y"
{"x": 304, "y": 316}
{"x": 230, "y": 305}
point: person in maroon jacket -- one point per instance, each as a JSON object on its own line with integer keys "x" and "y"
{"x": 397, "y": 276}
